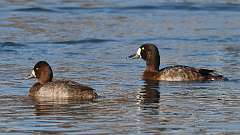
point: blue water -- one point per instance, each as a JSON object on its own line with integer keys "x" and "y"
{"x": 89, "y": 41}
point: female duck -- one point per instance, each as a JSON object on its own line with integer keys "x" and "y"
{"x": 149, "y": 53}
{"x": 45, "y": 87}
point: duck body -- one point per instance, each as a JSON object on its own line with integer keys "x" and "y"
{"x": 150, "y": 53}
{"x": 58, "y": 89}
{"x": 182, "y": 73}
{"x": 46, "y": 87}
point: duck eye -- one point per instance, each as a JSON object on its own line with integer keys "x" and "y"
{"x": 142, "y": 48}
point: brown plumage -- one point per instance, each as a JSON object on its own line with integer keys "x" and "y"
{"x": 150, "y": 54}
{"x": 57, "y": 89}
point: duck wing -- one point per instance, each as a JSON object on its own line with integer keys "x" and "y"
{"x": 67, "y": 89}
{"x": 186, "y": 73}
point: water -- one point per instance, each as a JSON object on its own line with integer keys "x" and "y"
{"x": 88, "y": 42}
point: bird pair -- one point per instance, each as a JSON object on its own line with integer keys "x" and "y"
{"x": 61, "y": 89}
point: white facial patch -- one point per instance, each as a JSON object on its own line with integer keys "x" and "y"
{"x": 33, "y": 73}
{"x": 139, "y": 51}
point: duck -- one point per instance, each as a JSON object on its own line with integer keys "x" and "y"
{"x": 149, "y": 53}
{"x": 46, "y": 87}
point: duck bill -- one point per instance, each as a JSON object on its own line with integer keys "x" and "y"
{"x": 32, "y": 75}
{"x": 134, "y": 56}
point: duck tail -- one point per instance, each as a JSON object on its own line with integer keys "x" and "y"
{"x": 216, "y": 77}
{"x": 211, "y": 75}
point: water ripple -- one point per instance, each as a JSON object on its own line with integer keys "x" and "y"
{"x": 88, "y": 40}
{"x": 12, "y": 44}
{"x": 208, "y": 39}
{"x": 34, "y": 9}
{"x": 165, "y": 6}
{"x": 10, "y": 47}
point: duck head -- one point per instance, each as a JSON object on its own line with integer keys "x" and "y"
{"x": 149, "y": 53}
{"x": 42, "y": 71}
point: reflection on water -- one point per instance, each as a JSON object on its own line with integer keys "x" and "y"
{"x": 57, "y": 107}
{"x": 88, "y": 41}
{"x": 149, "y": 93}
{"x": 148, "y": 98}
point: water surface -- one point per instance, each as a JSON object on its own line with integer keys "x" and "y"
{"x": 88, "y": 42}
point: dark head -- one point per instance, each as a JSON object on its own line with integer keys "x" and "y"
{"x": 43, "y": 72}
{"x": 149, "y": 53}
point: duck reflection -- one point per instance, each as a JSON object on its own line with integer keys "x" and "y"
{"x": 149, "y": 93}
{"x": 60, "y": 114}
{"x": 148, "y": 99}
{"x": 45, "y": 107}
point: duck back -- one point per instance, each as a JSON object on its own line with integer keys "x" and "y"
{"x": 183, "y": 73}
{"x": 59, "y": 89}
